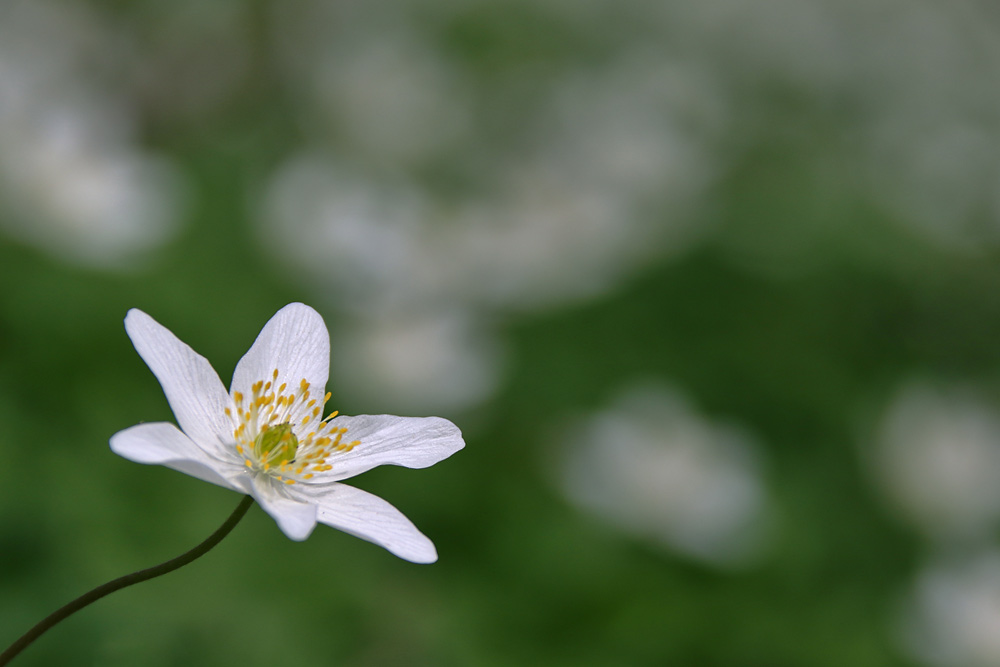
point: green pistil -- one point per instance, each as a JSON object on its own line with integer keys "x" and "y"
{"x": 277, "y": 444}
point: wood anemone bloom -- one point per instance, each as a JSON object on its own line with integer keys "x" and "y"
{"x": 268, "y": 437}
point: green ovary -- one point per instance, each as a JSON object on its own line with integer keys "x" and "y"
{"x": 276, "y": 444}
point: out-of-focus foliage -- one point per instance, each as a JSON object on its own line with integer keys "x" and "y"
{"x": 711, "y": 287}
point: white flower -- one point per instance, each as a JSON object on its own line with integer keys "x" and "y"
{"x": 267, "y": 436}
{"x": 650, "y": 465}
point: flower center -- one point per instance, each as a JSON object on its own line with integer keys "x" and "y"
{"x": 277, "y": 442}
{"x": 280, "y": 433}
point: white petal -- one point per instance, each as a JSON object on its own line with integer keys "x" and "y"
{"x": 164, "y": 444}
{"x": 295, "y": 518}
{"x": 296, "y": 343}
{"x": 193, "y": 389}
{"x": 369, "y": 517}
{"x": 413, "y": 442}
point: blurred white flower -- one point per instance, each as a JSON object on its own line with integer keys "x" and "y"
{"x": 267, "y": 437}
{"x": 651, "y": 467}
{"x": 938, "y": 456}
{"x": 941, "y": 178}
{"x": 544, "y": 241}
{"x": 952, "y": 618}
{"x": 367, "y": 238}
{"x": 192, "y": 58}
{"x": 71, "y": 179}
{"x": 392, "y": 98}
{"x": 420, "y": 361}
{"x": 642, "y": 126}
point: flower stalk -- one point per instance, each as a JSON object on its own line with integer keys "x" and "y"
{"x": 124, "y": 582}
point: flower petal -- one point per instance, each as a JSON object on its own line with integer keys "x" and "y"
{"x": 193, "y": 389}
{"x": 164, "y": 444}
{"x": 413, "y": 442}
{"x": 295, "y": 517}
{"x": 296, "y": 343}
{"x": 367, "y": 516}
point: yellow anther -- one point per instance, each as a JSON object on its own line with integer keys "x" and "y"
{"x": 238, "y": 397}
{"x": 281, "y": 389}
{"x": 256, "y": 386}
{"x": 289, "y": 481}
{"x": 248, "y": 463}
{"x": 239, "y": 448}
{"x": 274, "y": 373}
{"x": 307, "y": 476}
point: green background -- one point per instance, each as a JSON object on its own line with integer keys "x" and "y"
{"x": 803, "y": 305}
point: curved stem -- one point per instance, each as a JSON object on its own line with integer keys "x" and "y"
{"x": 123, "y": 582}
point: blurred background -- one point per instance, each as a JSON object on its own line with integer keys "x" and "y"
{"x": 712, "y": 289}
